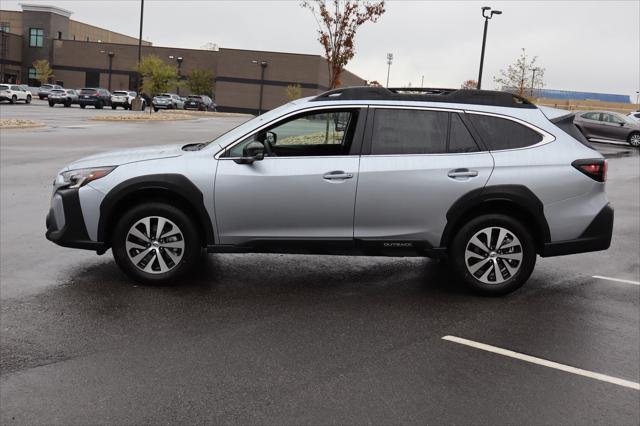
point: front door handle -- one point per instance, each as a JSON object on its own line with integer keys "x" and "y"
{"x": 337, "y": 175}
{"x": 462, "y": 173}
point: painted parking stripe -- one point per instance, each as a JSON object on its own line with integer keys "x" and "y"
{"x": 544, "y": 362}
{"x": 616, "y": 279}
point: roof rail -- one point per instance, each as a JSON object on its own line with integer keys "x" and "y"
{"x": 458, "y": 96}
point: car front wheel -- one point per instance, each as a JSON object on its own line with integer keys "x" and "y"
{"x": 28, "y": 99}
{"x": 634, "y": 139}
{"x": 156, "y": 243}
{"x": 493, "y": 254}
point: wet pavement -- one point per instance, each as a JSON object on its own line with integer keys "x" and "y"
{"x": 296, "y": 339}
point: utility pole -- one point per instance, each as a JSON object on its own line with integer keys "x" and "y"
{"x": 533, "y": 80}
{"x": 263, "y": 66}
{"x": 487, "y": 13}
{"x": 389, "y": 61}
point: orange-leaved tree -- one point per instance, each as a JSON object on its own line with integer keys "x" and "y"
{"x": 338, "y": 22}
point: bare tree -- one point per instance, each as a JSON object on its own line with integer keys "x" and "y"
{"x": 44, "y": 73}
{"x": 469, "y": 85}
{"x": 338, "y": 22}
{"x": 521, "y": 75}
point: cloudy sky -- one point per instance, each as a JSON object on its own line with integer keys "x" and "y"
{"x": 584, "y": 45}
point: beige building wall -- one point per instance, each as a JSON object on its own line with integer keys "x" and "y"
{"x": 85, "y": 32}
{"x": 14, "y": 19}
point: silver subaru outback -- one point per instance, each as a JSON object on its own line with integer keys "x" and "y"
{"x": 483, "y": 179}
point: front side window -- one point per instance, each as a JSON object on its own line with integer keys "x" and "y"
{"x": 36, "y": 37}
{"x": 500, "y": 133}
{"x": 406, "y": 131}
{"x": 318, "y": 133}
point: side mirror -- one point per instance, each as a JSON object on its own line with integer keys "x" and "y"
{"x": 253, "y": 151}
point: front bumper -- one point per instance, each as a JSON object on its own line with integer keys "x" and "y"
{"x": 596, "y": 237}
{"x": 65, "y": 223}
{"x": 5, "y": 98}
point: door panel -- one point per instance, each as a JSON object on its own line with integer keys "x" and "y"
{"x": 406, "y": 197}
{"x": 286, "y": 198}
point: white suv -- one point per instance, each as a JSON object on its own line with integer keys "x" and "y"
{"x": 14, "y": 93}
{"x": 482, "y": 178}
{"x": 123, "y": 98}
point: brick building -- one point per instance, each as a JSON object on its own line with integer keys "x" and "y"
{"x": 83, "y": 55}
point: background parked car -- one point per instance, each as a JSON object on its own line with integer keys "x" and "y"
{"x": 66, "y": 97}
{"x": 96, "y": 97}
{"x": 634, "y": 115}
{"x": 14, "y": 93}
{"x": 123, "y": 98}
{"x": 167, "y": 101}
{"x": 200, "y": 102}
{"x": 43, "y": 91}
{"x": 607, "y": 126}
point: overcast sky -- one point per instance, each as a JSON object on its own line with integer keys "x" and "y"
{"x": 584, "y": 45}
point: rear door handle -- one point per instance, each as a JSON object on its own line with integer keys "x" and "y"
{"x": 462, "y": 173}
{"x": 337, "y": 174}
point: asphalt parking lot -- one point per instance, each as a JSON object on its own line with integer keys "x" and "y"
{"x": 284, "y": 339}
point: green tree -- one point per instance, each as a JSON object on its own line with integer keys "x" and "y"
{"x": 200, "y": 82}
{"x": 294, "y": 91}
{"x": 157, "y": 75}
{"x": 44, "y": 73}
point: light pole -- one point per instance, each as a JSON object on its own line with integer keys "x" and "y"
{"x": 179, "y": 60}
{"x": 533, "y": 79}
{"x": 263, "y": 66}
{"x": 389, "y": 61}
{"x": 487, "y": 13}
{"x": 111, "y": 55}
{"x": 422, "y": 83}
{"x": 638, "y": 97}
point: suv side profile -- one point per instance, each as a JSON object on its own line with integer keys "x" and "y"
{"x": 481, "y": 178}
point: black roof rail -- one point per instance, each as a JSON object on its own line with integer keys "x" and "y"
{"x": 458, "y": 96}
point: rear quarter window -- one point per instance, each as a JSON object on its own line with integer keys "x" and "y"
{"x": 500, "y": 133}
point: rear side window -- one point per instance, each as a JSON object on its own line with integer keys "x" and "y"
{"x": 500, "y": 133}
{"x": 460, "y": 140}
{"x": 405, "y": 131}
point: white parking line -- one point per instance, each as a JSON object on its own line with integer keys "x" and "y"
{"x": 616, "y": 279}
{"x": 544, "y": 362}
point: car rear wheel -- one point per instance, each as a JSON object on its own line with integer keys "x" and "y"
{"x": 51, "y": 104}
{"x": 28, "y": 99}
{"x": 114, "y": 107}
{"x": 493, "y": 254}
{"x": 83, "y": 106}
{"x": 634, "y": 139}
{"x": 67, "y": 103}
{"x": 156, "y": 243}
{"x": 99, "y": 105}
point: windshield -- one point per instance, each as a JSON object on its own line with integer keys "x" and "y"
{"x": 120, "y": 93}
{"x": 627, "y": 119}
{"x": 88, "y": 91}
{"x": 46, "y": 86}
{"x": 195, "y": 97}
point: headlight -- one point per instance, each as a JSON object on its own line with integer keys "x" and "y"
{"x": 81, "y": 177}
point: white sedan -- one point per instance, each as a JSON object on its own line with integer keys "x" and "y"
{"x": 14, "y": 93}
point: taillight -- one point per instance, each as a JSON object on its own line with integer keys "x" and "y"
{"x": 596, "y": 168}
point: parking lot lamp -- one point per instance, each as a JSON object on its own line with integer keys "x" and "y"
{"x": 389, "y": 61}
{"x": 111, "y": 55}
{"x": 487, "y": 13}
{"x": 263, "y": 66}
{"x": 179, "y": 59}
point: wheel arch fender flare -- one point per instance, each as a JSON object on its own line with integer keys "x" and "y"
{"x": 517, "y": 199}
{"x": 173, "y": 187}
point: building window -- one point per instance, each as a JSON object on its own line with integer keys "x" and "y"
{"x": 59, "y": 35}
{"x": 32, "y": 77}
{"x": 36, "y": 37}
{"x": 4, "y": 27}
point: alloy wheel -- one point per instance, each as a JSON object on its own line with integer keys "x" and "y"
{"x": 634, "y": 140}
{"x": 493, "y": 255}
{"x": 155, "y": 245}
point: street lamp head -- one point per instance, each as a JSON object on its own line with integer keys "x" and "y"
{"x": 485, "y": 8}
{"x": 179, "y": 59}
{"x": 111, "y": 54}
{"x": 496, "y": 12}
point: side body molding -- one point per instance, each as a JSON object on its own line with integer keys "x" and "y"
{"x": 173, "y": 187}
{"x": 517, "y": 198}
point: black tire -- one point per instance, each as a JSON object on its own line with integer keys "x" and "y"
{"x": 191, "y": 238}
{"x": 155, "y": 109}
{"x": 41, "y": 97}
{"x": 634, "y": 139}
{"x": 99, "y": 105}
{"x": 28, "y": 101}
{"x": 51, "y": 104}
{"x": 83, "y": 106}
{"x": 524, "y": 268}
{"x": 114, "y": 107}
{"x": 14, "y": 99}
{"x": 67, "y": 104}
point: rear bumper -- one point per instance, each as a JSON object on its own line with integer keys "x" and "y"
{"x": 596, "y": 237}
{"x": 65, "y": 223}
